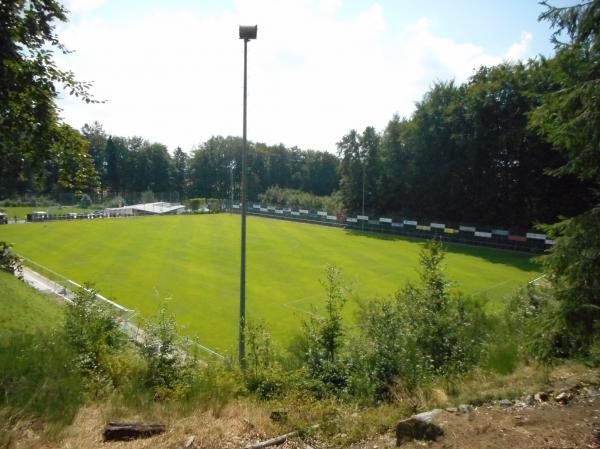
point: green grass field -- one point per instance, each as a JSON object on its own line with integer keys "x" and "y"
{"x": 21, "y": 212}
{"x": 194, "y": 262}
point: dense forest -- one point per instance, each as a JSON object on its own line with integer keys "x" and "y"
{"x": 122, "y": 165}
{"x": 467, "y": 154}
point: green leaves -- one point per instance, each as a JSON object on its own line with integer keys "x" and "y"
{"x": 323, "y": 335}
{"x": 422, "y": 332}
{"x": 92, "y": 330}
{"x": 9, "y": 261}
{"x": 29, "y": 78}
{"x": 573, "y": 266}
{"x": 569, "y": 119}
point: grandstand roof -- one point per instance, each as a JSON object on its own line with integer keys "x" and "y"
{"x": 151, "y": 208}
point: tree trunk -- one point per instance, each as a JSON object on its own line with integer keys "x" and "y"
{"x": 119, "y": 431}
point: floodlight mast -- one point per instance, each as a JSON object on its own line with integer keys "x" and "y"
{"x": 246, "y": 33}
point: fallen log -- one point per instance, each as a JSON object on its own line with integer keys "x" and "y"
{"x": 120, "y": 431}
{"x": 273, "y": 441}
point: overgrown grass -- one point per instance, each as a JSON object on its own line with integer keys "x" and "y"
{"x": 39, "y": 379}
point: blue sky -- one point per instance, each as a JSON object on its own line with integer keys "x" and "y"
{"x": 171, "y": 71}
{"x": 490, "y": 23}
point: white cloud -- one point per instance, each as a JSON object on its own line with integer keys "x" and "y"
{"x": 81, "y": 6}
{"x": 174, "y": 76}
{"x": 519, "y": 49}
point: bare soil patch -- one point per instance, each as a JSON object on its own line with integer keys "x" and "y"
{"x": 547, "y": 425}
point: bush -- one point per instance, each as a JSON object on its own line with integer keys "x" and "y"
{"x": 421, "y": 333}
{"x": 196, "y": 203}
{"x": 116, "y": 201}
{"x": 212, "y": 387}
{"x": 263, "y": 374}
{"x": 9, "y": 261}
{"x": 214, "y": 204}
{"x": 85, "y": 201}
{"x": 538, "y": 325}
{"x": 385, "y": 352}
{"x": 448, "y": 328}
{"x": 147, "y": 197}
{"x": 93, "y": 332}
{"x": 171, "y": 362}
{"x": 323, "y": 336}
{"x": 298, "y": 199}
{"x": 28, "y": 201}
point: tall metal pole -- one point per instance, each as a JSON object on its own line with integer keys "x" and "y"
{"x": 363, "y": 189}
{"x": 363, "y": 195}
{"x": 242, "y": 348}
{"x": 231, "y": 185}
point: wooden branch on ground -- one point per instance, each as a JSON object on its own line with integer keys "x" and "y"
{"x": 273, "y": 441}
{"x": 120, "y": 431}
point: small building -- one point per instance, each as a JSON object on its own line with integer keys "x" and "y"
{"x": 158, "y": 208}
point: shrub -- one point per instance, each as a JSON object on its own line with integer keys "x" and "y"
{"x": 213, "y": 386}
{"x": 263, "y": 374}
{"x": 147, "y": 197}
{"x": 323, "y": 336}
{"x": 28, "y": 201}
{"x": 9, "y": 261}
{"x": 85, "y": 201}
{"x": 421, "y": 333}
{"x": 214, "y": 204}
{"x": 195, "y": 204}
{"x": 298, "y": 199}
{"x": 116, "y": 201}
{"x": 538, "y": 325}
{"x": 93, "y": 332}
{"x": 260, "y": 354}
{"x": 385, "y": 352}
{"x": 171, "y": 361}
{"x": 448, "y": 328}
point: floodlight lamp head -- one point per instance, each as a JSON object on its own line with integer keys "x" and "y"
{"x": 248, "y": 32}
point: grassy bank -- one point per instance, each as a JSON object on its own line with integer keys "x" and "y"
{"x": 24, "y": 310}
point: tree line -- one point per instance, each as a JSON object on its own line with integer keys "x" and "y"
{"x": 470, "y": 153}
{"x": 477, "y": 152}
{"x": 211, "y": 170}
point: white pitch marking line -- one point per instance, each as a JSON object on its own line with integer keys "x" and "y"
{"x": 45, "y": 282}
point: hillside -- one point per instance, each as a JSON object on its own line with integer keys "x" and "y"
{"x": 24, "y": 309}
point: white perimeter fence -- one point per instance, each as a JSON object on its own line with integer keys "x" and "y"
{"x": 61, "y": 288}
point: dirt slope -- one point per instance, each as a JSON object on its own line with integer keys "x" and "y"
{"x": 548, "y": 425}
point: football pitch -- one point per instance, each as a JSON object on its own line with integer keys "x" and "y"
{"x": 193, "y": 261}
